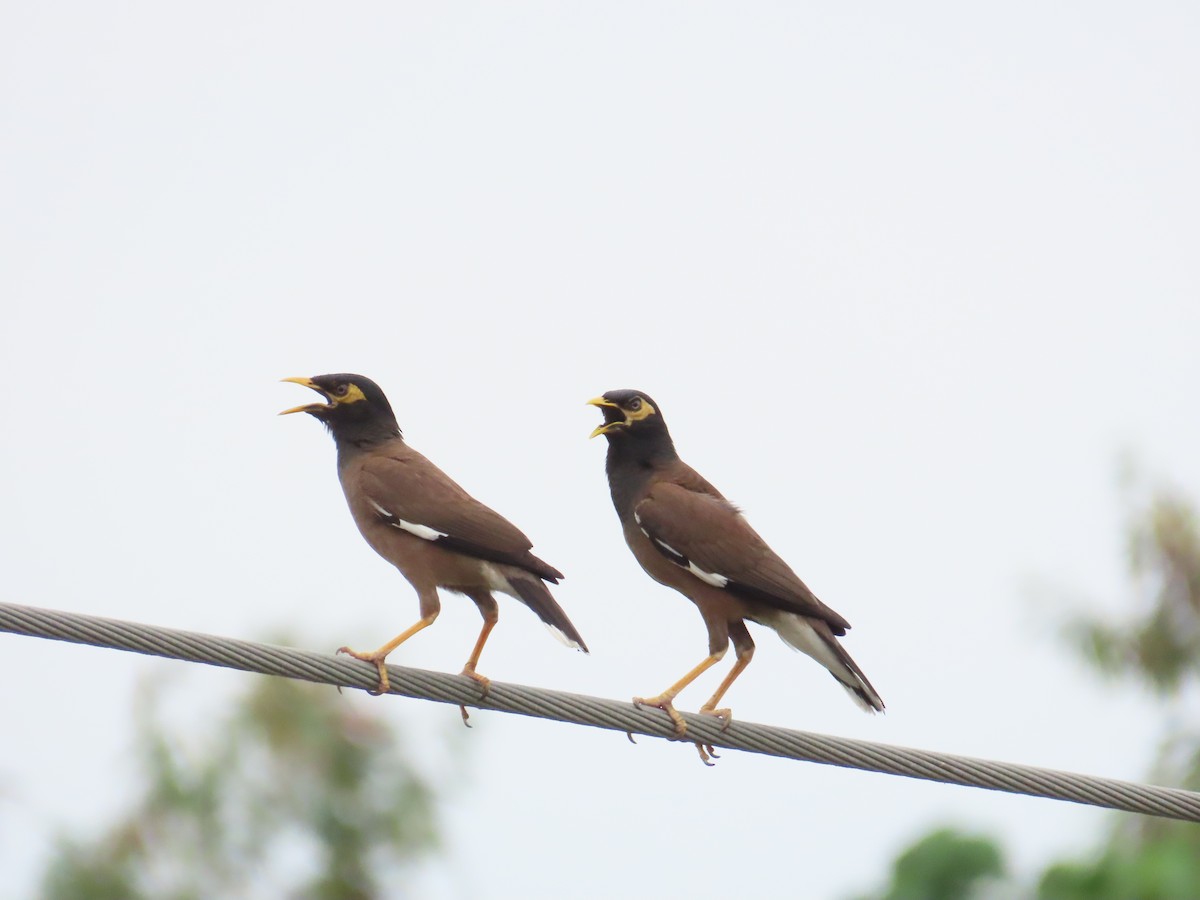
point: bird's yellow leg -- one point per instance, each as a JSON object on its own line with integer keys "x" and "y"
{"x": 663, "y": 700}
{"x": 710, "y": 708}
{"x": 491, "y": 615}
{"x": 469, "y": 668}
{"x": 378, "y": 656}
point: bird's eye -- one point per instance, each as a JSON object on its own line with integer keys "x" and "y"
{"x": 341, "y": 390}
{"x": 635, "y": 404}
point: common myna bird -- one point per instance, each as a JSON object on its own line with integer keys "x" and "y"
{"x": 686, "y": 535}
{"x": 414, "y": 516}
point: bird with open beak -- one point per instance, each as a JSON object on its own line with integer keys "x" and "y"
{"x": 686, "y": 535}
{"x": 418, "y": 519}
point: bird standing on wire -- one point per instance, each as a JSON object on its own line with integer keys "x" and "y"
{"x": 418, "y": 519}
{"x": 686, "y": 535}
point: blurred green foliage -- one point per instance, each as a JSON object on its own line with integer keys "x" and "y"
{"x": 945, "y": 865}
{"x": 1167, "y": 869}
{"x": 294, "y": 793}
{"x": 1157, "y": 645}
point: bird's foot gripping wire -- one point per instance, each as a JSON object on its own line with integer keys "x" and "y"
{"x": 725, "y": 715}
{"x": 707, "y": 751}
{"x": 663, "y": 702}
{"x": 384, "y": 684}
{"x": 484, "y": 683}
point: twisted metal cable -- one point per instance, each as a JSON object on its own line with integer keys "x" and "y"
{"x": 929, "y": 765}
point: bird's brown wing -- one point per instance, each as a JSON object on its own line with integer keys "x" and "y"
{"x": 409, "y": 492}
{"x": 705, "y": 534}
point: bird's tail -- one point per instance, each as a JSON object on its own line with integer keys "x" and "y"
{"x": 534, "y": 594}
{"x": 814, "y": 638}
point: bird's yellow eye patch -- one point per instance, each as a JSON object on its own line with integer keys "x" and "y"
{"x": 637, "y": 409}
{"x": 347, "y": 393}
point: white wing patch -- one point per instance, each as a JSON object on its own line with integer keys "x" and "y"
{"x": 664, "y": 545}
{"x": 681, "y": 559}
{"x": 422, "y": 531}
{"x": 711, "y": 577}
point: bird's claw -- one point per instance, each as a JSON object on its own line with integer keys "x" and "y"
{"x": 384, "y": 684}
{"x": 725, "y": 715}
{"x": 485, "y": 683}
{"x": 663, "y": 702}
{"x": 707, "y": 751}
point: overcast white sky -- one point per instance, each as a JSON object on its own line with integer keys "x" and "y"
{"x": 905, "y": 280}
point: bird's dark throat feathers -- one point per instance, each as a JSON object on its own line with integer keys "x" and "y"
{"x": 634, "y": 455}
{"x": 351, "y": 431}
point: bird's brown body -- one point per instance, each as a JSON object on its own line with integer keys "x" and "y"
{"x": 421, "y": 521}
{"x": 686, "y": 535}
{"x": 418, "y": 492}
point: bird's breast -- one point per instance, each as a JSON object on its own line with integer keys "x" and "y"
{"x": 654, "y": 563}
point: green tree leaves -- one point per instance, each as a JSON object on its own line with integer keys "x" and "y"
{"x": 296, "y": 792}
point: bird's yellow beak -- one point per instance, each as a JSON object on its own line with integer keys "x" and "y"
{"x": 308, "y": 383}
{"x": 606, "y": 426}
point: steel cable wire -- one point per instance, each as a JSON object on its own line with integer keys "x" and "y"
{"x": 250, "y": 656}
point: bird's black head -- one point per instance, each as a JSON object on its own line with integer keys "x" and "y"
{"x": 356, "y": 411}
{"x": 630, "y": 414}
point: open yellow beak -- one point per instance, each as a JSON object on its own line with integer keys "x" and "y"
{"x": 308, "y": 383}
{"x": 604, "y": 427}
